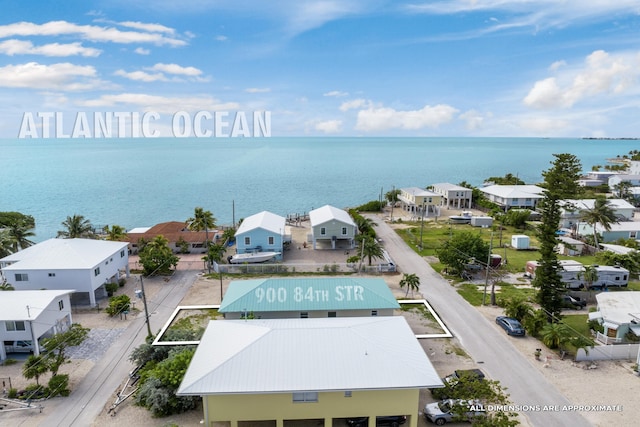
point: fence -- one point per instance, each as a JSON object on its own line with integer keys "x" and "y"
{"x": 609, "y": 352}
{"x": 302, "y": 268}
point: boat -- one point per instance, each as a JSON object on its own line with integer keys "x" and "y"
{"x": 465, "y": 218}
{"x": 252, "y": 257}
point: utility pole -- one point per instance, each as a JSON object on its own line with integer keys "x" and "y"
{"x": 486, "y": 279}
{"x": 146, "y": 310}
{"x": 422, "y": 225}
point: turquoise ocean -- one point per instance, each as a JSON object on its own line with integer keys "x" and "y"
{"x": 140, "y": 182}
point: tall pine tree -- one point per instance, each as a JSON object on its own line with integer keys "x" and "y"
{"x": 560, "y": 182}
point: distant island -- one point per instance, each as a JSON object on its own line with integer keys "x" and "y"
{"x": 604, "y": 138}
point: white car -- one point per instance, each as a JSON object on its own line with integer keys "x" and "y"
{"x": 444, "y": 411}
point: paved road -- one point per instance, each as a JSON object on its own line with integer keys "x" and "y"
{"x": 481, "y": 340}
{"x": 99, "y": 386}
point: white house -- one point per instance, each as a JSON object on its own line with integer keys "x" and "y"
{"x": 453, "y": 196}
{"x": 619, "y": 313}
{"x": 330, "y": 224}
{"x": 264, "y": 231}
{"x": 570, "y": 210}
{"x": 83, "y": 265}
{"x": 28, "y": 316}
{"x": 514, "y": 196}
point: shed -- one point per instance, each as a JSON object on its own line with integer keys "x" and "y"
{"x": 481, "y": 221}
{"x": 520, "y": 241}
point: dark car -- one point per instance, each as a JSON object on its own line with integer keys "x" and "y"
{"x": 572, "y": 302}
{"x": 386, "y": 421}
{"x": 452, "y": 381}
{"x": 510, "y": 325}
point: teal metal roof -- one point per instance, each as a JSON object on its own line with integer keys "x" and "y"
{"x": 307, "y": 294}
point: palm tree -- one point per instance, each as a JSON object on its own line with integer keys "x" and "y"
{"x": 19, "y": 233}
{"x": 601, "y": 213}
{"x": 365, "y": 225}
{"x": 115, "y": 232}
{"x": 369, "y": 247}
{"x": 554, "y": 335}
{"x": 411, "y": 281}
{"x": 34, "y": 367}
{"x": 201, "y": 221}
{"x": 589, "y": 275}
{"x": 6, "y": 243}
{"x": 76, "y": 226}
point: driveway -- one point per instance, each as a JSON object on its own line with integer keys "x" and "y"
{"x": 529, "y": 390}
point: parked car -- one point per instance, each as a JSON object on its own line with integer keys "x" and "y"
{"x": 572, "y": 302}
{"x": 19, "y": 346}
{"x": 510, "y": 325}
{"x": 451, "y": 381}
{"x": 383, "y": 421}
{"x": 446, "y": 411}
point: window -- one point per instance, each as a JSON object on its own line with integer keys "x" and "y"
{"x": 22, "y": 277}
{"x": 271, "y": 240}
{"x": 96, "y": 272}
{"x": 17, "y": 325}
{"x": 332, "y": 314}
{"x": 52, "y": 274}
{"x": 347, "y": 393}
{"x": 304, "y": 315}
{"x": 344, "y": 231}
{"x": 122, "y": 254}
{"x": 307, "y": 396}
{"x": 60, "y": 304}
{"x": 247, "y": 241}
{"x": 374, "y": 312}
{"x": 633, "y": 234}
{"x": 323, "y": 231}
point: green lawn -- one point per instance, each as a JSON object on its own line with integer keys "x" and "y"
{"x": 578, "y": 322}
{"x": 474, "y": 294}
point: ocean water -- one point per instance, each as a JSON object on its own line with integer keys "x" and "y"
{"x": 140, "y": 182}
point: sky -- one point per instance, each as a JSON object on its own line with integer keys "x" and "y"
{"x": 487, "y": 68}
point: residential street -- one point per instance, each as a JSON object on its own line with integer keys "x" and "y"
{"x": 87, "y": 401}
{"x": 485, "y": 344}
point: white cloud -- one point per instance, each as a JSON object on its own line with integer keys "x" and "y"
{"x": 22, "y": 47}
{"x": 602, "y": 74}
{"x": 142, "y": 51}
{"x": 557, "y": 65}
{"x": 152, "y": 28}
{"x": 61, "y": 76}
{"x": 257, "y": 90}
{"x": 354, "y": 104}
{"x": 385, "y": 118}
{"x": 336, "y": 93}
{"x": 177, "y": 70}
{"x": 88, "y": 32}
{"x": 329, "y": 126}
{"x": 473, "y": 119}
{"x": 533, "y": 14}
{"x": 221, "y": 38}
{"x": 141, "y": 76}
{"x": 307, "y": 15}
{"x": 160, "y": 104}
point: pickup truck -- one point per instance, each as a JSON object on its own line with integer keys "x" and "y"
{"x": 19, "y": 346}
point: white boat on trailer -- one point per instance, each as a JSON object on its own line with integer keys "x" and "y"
{"x": 252, "y": 257}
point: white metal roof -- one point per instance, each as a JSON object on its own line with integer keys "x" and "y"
{"x": 13, "y": 304}
{"x": 619, "y": 307}
{"x": 417, "y": 192}
{"x": 63, "y": 254}
{"x": 582, "y": 204}
{"x": 265, "y": 220}
{"x": 289, "y": 355}
{"x": 514, "y": 191}
{"x": 449, "y": 186}
{"x": 328, "y": 213}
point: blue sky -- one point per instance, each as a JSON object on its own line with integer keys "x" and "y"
{"x": 330, "y": 68}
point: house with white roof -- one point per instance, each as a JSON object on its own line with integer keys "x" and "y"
{"x": 308, "y": 297}
{"x": 262, "y": 232}
{"x": 570, "y": 210}
{"x": 28, "y": 316}
{"x": 621, "y": 230}
{"x": 514, "y": 196}
{"x": 619, "y": 313}
{"x": 83, "y": 265}
{"x": 325, "y": 370}
{"x": 332, "y": 225}
{"x": 453, "y": 196}
{"x": 419, "y": 201}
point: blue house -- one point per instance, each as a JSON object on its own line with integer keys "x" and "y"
{"x": 262, "y": 232}
{"x": 308, "y": 298}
